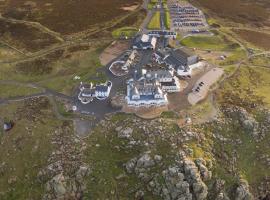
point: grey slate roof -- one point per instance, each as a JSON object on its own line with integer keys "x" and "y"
{"x": 101, "y": 88}
{"x": 178, "y": 58}
{"x": 159, "y": 74}
{"x": 145, "y": 88}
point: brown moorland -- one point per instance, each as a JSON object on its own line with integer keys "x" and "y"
{"x": 258, "y": 39}
{"x": 24, "y": 37}
{"x": 67, "y": 16}
{"x": 255, "y": 12}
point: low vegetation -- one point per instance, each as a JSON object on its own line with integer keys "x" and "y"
{"x": 262, "y": 60}
{"x": 248, "y": 87}
{"x": 124, "y": 32}
{"x": 155, "y": 21}
{"x": 24, "y": 37}
{"x": 167, "y": 20}
{"x": 258, "y": 39}
{"x": 9, "y": 90}
{"x": 250, "y": 12}
{"x": 215, "y": 42}
{"x": 25, "y": 148}
{"x": 235, "y": 57}
{"x": 74, "y": 17}
{"x": 58, "y": 69}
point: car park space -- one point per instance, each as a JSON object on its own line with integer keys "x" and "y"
{"x": 186, "y": 17}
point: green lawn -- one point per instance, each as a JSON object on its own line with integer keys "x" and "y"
{"x": 124, "y": 32}
{"x": 215, "y": 42}
{"x": 150, "y": 5}
{"x": 167, "y": 20}
{"x": 155, "y": 21}
{"x": 236, "y": 56}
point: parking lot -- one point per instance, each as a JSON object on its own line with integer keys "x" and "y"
{"x": 203, "y": 85}
{"x": 185, "y": 17}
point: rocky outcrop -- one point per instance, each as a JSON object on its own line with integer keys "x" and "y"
{"x": 183, "y": 180}
{"x": 64, "y": 176}
{"x": 124, "y": 133}
{"x": 246, "y": 120}
{"x": 219, "y": 190}
{"x": 242, "y": 191}
{"x": 205, "y": 173}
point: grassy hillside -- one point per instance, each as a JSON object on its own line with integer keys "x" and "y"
{"x": 70, "y": 17}
{"x": 251, "y": 12}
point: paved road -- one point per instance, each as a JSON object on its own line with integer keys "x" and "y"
{"x": 143, "y": 27}
{"x": 162, "y": 16}
{"x": 99, "y": 108}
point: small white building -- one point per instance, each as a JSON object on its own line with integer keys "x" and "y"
{"x": 88, "y": 92}
{"x": 103, "y": 91}
{"x": 145, "y": 42}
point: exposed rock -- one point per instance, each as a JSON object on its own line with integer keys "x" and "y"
{"x": 82, "y": 172}
{"x": 222, "y": 196}
{"x": 242, "y": 191}
{"x": 157, "y": 158}
{"x": 177, "y": 179}
{"x": 12, "y": 179}
{"x": 65, "y": 173}
{"x": 58, "y": 186}
{"x": 126, "y": 133}
{"x": 205, "y": 173}
{"x": 139, "y": 195}
{"x": 145, "y": 161}
{"x": 130, "y": 165}
{"x": 246, "y": 120}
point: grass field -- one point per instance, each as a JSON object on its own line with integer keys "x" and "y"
{"x": 155, "y": 21}
{"x": 56, "y": 71}
{"x": 215, "y": 42}
{"x": 236, "y": 56}
{"x": 167, "y": 20}
{"x": 7, "y": 91}
{"x": 249, "y": 86}
{"x": 151, "y": 5}
{"x": 124, "y": 32}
